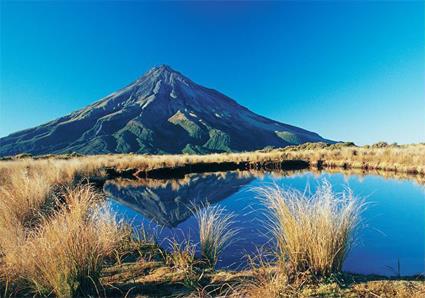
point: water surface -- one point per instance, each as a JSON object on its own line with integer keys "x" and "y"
{"x": 392, "y": 230}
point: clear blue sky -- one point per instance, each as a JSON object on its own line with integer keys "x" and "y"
{"x": 349, "y": 71}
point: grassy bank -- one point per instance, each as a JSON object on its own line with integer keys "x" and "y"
{"x": 58, "y": 240}
{"x": 380, "y": 156}
{"x": 407, "y": 159}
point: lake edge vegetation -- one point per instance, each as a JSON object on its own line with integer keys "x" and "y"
{"x": 42, "y": 197}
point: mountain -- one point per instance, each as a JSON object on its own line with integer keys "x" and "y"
{"x": 161, "y": 112}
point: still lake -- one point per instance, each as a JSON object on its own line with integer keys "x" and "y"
{"x": 392, "y": 229}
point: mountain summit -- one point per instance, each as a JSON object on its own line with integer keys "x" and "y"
{"x": 161, "y": 112}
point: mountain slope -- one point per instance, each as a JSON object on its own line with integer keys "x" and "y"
{"x": 161, "y": 112}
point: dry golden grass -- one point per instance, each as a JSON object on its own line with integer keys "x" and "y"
{"x": 370, "y": 289}
{"x": 20, "y": 202}
{"x": 182, "y": 255}
{"x": 399, "y": 158}
{"x": 64, "y": 253}
{"x": 387, "y": 289}
{"x": 215, "y": 231}
{"x": 313, "y": 233}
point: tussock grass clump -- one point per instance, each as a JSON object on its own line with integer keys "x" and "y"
{"x": 313, "y": 233}
{"x": 182, "y": 255}
{"x": 21, "y": 201}
{"x": 215, "y": 231}
{"x": 64, "y": 254}
{"x": 22, "y": 196}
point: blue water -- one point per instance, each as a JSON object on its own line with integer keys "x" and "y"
{"x": 392, "y": 229}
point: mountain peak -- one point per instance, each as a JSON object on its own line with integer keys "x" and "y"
{"x": 161, "y": 112}
{"x": 166, "y": 75}
{"x": 162, "y": 69}
{"x": 165, "y": 67}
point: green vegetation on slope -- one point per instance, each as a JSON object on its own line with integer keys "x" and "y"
{"x": 218, "y": 141}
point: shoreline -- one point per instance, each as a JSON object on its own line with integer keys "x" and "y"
{"x": 409, "y": 159}
{"x": 158, "y": 279}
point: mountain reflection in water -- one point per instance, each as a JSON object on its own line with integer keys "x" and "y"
{"x": 169, "y": 202}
